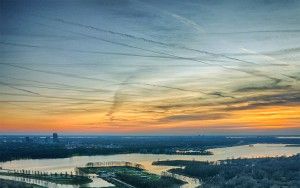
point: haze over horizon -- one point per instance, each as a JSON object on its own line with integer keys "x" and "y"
{"x": 150, "y": 67}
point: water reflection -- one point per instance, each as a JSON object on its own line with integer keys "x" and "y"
{"x": 68, "y": 164}
{"x": 97, "y": 182}
{"x": 37, "y": 182}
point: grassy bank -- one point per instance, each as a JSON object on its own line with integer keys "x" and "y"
{"x": 260, "y": 172}
{"x": 134, "y": 176}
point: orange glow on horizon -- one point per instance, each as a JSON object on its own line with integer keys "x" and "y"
{"x": 268, "y": 118}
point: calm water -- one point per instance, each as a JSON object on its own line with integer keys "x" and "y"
{"x": 37, "y": 182}
{"x": 68, "y": 164}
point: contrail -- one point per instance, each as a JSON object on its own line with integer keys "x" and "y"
{"x": 163, "y": 53}
{"x": 153, "y": 85}
{"x": 65, "y": 86}
{"x": 20, "y": 89}
{"x": 180, "y": 89}
{"x": 56, "y": 73}
{"x": 54, "y": 88}
{"x": 35, "y": 94}
{"x": 186, "y": 21}
{"x": 96, "y": 79}
{"x": 196, "y": 26}
{"x": 141, "y": 38}
{"x": 23, "y": 101}
{"x": 123, "y": 44}
{"x": 261, "y": 31}
{"x": 116, "y": 98}
{"x": 157, "y": 52}
{"x": 83, "y": 51}
{"x": 264, "y": 56}
{"x": 292, "y": 77}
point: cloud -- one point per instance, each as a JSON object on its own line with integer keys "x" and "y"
{"x": 257, "y": 31}
{"x": 285, "y": 51}
{"x": 263, "y": 88}
{"x": 286, "y": 98}
{"x": 160, "y": 43}
{"x": 118, "y": 97}
{"x": 194, "y": 117}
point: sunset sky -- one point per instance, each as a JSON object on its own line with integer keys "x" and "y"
{"x": 150, "y": 67}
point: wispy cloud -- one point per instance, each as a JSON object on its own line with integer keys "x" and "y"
{"x": 194, "y": 117}
{"x": 142, "y": 65}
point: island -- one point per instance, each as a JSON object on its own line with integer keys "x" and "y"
{"x": 130, "y": 175}
{"x": 254, "y": 172}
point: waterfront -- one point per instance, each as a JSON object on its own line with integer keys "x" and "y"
{"x": 69, "y": 164}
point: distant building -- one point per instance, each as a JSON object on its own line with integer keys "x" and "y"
{"x": 27, "y": 139}
{"x": 47, "y": 138}
{"x": 55, "y": 137}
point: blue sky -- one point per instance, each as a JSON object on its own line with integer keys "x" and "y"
{"x": 150, "y": 65}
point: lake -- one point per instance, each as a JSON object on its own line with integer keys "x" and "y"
{"x": 68, "y": 164}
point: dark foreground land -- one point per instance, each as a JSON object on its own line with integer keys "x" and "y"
{"x": 242, "y": 173}
{"x": 124, "y": 176}
{"x": 38, "y": 147}
{"x": 14, "y": 184}
{"x": 55, "y": 178}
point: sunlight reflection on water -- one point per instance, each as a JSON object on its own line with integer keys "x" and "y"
{"x": 68, "y": 164}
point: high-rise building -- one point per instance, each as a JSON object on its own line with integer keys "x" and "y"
{"x": 55, "y": 137}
